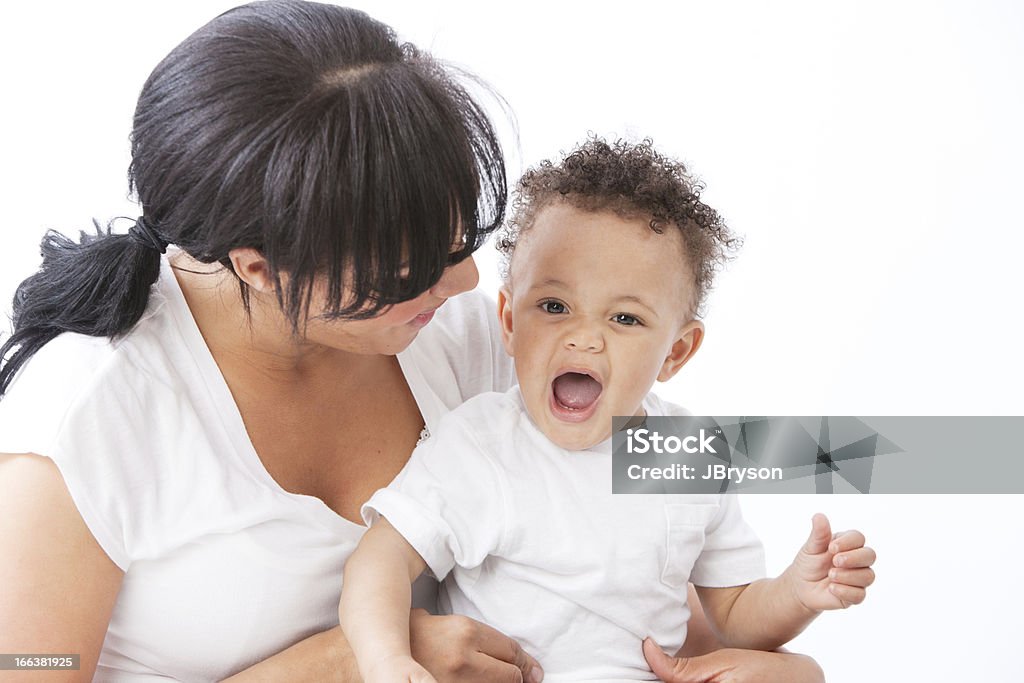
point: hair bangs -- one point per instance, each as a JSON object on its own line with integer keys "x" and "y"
{"x": 403, "y": 178}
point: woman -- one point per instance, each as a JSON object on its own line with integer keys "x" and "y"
{"x": 189, "y": 436}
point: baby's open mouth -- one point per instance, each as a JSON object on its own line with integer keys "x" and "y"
{"x": 575, "y": 390}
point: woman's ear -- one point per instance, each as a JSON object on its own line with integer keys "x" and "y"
{"x": 252, "y": 268}
{"x": 686, "y": 344}
{"x": 505, "y": 318}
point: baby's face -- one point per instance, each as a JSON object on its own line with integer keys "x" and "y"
{"x": 595, "y": 311}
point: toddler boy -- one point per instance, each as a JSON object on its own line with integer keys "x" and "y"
{"x": 610, "y": 256}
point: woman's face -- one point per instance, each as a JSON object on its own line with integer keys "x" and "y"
{"x": 393, "y": 330}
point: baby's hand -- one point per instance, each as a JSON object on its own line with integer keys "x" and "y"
{"x": 398, "y": 669}
{"x": 832, "y": 571}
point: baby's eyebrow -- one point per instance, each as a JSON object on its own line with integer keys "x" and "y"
{"x": 637, "y": 300}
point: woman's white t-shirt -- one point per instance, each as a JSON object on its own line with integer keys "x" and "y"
{"x": 223, "y": 567}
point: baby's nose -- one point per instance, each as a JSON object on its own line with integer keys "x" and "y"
{"x": 584, "y": 338}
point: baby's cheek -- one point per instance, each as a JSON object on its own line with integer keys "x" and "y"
{"x": 638, "y": 386}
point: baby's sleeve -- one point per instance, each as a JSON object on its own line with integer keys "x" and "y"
{"x": 448, "y": 502}
{"x": 732, "y": 554}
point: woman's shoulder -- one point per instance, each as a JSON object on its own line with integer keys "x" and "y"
{"x": 133, "y": 427}
{"x": 462, "y": 347}
{"x": 76, "y": 371}
{"x": 58, "y": 376}
{"x": 78, "y": 388}
{"x": 472, "y": 313}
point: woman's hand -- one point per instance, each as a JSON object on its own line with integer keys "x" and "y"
{"x": 456, "y": 649}
{"x": 453, "y": 649}
{"x": 733, "y": 666}
{"x": 402, "y": 668}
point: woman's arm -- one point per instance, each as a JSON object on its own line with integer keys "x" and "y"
{"x": 59, "y": 586}
{"x": 455, "y": 649}
{"x": 323, "y": 656}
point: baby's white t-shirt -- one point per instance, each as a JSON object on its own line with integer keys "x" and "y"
{"x": 223, "y": 567}
{"x": 533, "y": 542}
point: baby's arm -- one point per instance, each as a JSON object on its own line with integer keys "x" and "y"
{"x": 375, "y": 602}
{"x": 829, "y": 572}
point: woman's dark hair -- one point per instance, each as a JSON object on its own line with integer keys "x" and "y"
{"x": 305, "y": 131}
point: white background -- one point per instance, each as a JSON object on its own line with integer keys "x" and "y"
{"x": 871, "y": 154}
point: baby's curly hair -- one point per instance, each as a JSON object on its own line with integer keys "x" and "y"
{"x": 631, "y": 179}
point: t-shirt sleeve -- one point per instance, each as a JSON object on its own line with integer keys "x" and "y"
{"x": 53, "y": 409}
{"x": 732, "y": 553}
{"x": 449, "y": 503}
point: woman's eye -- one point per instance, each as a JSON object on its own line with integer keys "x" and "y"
{"x": 626, "y": 319}
{"x": 554, "y": 307}
{"x": 459, "y": 245}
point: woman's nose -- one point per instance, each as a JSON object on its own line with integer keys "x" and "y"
{"x": 456, "y": 279}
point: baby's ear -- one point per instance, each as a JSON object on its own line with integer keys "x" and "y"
{"x": 686, "y": 344}
{"x": 505, "y": 318}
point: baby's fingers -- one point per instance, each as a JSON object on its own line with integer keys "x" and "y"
{"x": 854, "y": 559}
{"x": 846, "y": 540}
{"x": 859, "y": 578}
{"x": 848, "y": 595}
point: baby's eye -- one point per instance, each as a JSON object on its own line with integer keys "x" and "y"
{"x": 553, "y": 307}
{"x": 626, "y": 319}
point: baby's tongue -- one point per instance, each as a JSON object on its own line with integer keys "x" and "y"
{"x": 575, "y": 390}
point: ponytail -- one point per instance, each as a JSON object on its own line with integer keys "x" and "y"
{"x": 306, "y": 131}
{"x": 98, "y": 286}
